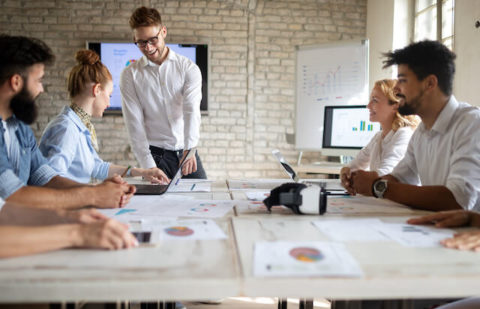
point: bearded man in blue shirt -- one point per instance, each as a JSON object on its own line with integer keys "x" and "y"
{"x": 25, "y": 176}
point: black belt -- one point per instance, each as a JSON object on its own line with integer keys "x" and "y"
{"x": 161, "y": 151}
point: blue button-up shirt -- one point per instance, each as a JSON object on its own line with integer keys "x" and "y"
{"x": 67, "y": 144}
{"x": 25, "y": 163}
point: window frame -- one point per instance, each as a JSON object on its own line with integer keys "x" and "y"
{"x": 438, "y": 7}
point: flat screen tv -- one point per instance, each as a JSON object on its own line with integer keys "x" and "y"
{"x": 118, "y": 55}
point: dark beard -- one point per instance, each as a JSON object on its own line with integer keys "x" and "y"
{"x": 23, "y": 106}
{"x": 412, "y": 107}
{"x": 406, "y": 110}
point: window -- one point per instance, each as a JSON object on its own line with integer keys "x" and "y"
{"x": 434, "y": 21}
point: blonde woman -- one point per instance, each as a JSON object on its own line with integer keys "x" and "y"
{"x": 389, "y": 145}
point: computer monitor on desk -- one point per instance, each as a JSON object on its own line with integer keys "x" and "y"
{"x": 347, "y": 129}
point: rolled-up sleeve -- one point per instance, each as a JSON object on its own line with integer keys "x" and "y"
{"x": 10, "y": 183}
{"x": 100, "y": 170}
{"x": 464, "y": 176}
{"x": 42, "y": 175}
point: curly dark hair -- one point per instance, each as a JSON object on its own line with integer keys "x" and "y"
{"x": 18, "y": 53}
{"x": 425, "y": 58}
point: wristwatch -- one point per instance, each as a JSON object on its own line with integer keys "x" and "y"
{"x": 379, "y": 187}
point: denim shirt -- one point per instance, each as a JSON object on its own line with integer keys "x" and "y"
{"x": 67, "y": 144}
{"x": 27, "y": 165}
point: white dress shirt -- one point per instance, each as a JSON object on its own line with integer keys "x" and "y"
{"x": 382, "y": 155}
{"x": 161, "y": 105}
{"x": 447, "y": 155}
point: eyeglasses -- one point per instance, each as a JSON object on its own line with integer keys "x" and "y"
{"x": 152, "y": 41}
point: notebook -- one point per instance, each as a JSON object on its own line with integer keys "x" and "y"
{"x": 158, "y": 189}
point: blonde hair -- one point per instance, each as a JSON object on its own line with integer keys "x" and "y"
{"x": 387, "y": 87}
{"x": 88, "y": 70}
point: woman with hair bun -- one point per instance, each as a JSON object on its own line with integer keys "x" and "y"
{"x": 388, "y": 146}
{"x": 69, "y": 142}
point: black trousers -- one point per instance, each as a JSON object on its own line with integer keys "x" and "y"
{"x": 169, "y": 161}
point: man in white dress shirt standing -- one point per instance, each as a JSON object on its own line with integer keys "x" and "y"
{"x": 441, "y": 169}
{"x": 161, "y": 95}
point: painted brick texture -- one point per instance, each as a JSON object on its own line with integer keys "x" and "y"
{"x": 252, "y": 66}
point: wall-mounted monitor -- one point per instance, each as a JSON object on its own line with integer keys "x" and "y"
{"x": 118, "y": 55}
{"x": 347, "y": 129}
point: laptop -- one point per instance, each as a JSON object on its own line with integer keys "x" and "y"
{"x": 158, "y": 189}
{"x": 328, "y": 184}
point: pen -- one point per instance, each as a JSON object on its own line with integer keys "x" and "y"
{"x": 193, "y": 186}
{"x": 126, "y": 171}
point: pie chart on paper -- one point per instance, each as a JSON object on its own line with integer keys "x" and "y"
{"x": 180, "y": 231}
{"x": 306, "y": 254}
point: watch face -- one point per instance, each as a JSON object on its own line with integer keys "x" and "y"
{"x": 380, "y": 186}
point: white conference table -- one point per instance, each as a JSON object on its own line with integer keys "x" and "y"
{"x": 172, "y": 270}
{"x": 199, "y": 270}
{"x": 192, "y": 270}
{"x": 391, "y": 271}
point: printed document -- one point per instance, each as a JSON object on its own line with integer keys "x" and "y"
{"x": 304, "y": 259}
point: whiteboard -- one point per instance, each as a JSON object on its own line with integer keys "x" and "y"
{"x": 327, "y": 74}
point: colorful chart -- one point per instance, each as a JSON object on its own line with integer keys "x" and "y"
{"x": 129, "y": 62}
{"x": 208, "y": 205}
{"x": 203, "y": 207}
{"x": 199, "y": 209}
{"x": 124, "y": 211}
{"x": 305, "y": 254}
{"x": 179, "y": 231}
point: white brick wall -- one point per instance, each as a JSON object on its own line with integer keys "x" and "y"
{"x": 252, "y": 66}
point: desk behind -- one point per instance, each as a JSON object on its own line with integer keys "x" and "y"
{"x": 325, "y": 168}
